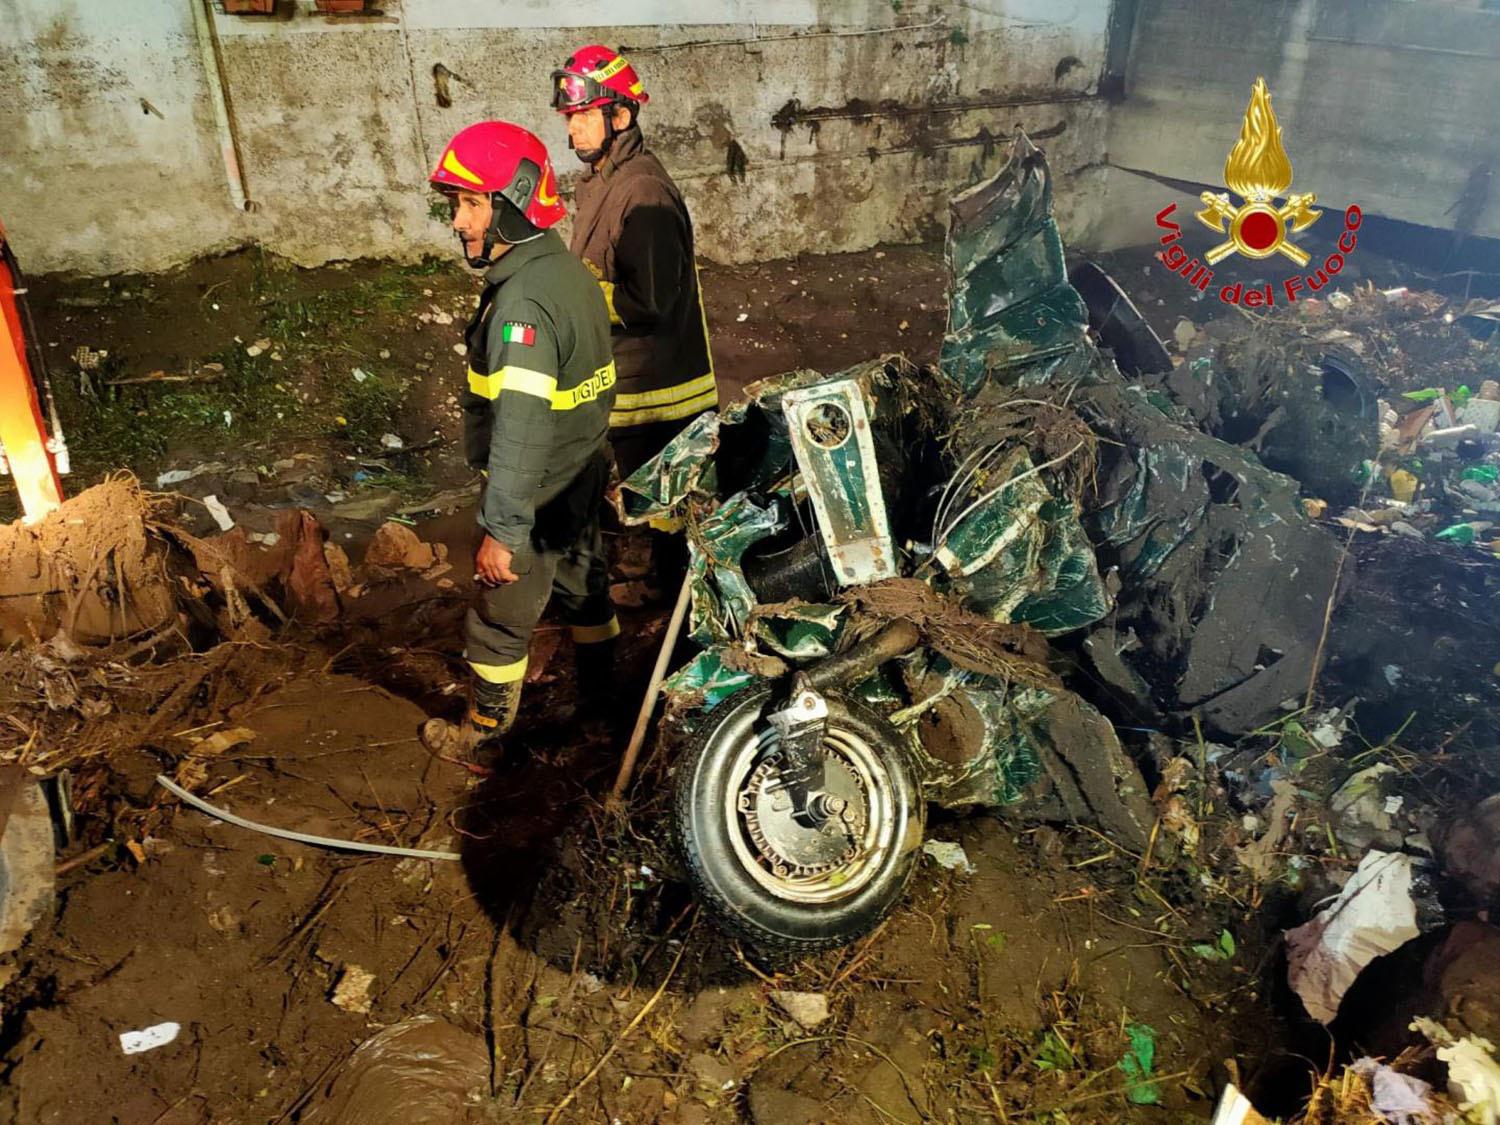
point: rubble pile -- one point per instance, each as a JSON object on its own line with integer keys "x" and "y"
{"x": 1208, "y": 551}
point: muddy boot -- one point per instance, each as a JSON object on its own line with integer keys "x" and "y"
{"x": 475, "y": 742}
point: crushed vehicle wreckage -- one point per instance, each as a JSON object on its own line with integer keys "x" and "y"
{"x": 891, "y": 552}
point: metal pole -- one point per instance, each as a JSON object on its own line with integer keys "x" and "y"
{"x": 215, "y": 78}
{"x": 648, "y": 704}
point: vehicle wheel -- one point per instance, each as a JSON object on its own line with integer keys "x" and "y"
{"x": 777, "y": 884}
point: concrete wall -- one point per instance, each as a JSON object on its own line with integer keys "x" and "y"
{"x": 1390, "y": 104}
{"x": 857, "y": 117}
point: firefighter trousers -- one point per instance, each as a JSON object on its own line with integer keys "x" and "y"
{"x": 499, "y": 625}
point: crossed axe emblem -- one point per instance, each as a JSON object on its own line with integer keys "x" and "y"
{"x": 1268, "y": 226}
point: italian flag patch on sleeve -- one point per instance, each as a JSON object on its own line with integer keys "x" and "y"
{"x": 517, "y": 332}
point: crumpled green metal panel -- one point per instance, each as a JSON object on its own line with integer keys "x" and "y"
{"x": 722, "y": 599}
{"x": 689, "y": 463}
{"x": 994, "y": 766}
{"x": 1022, "y": 556}
{"x": 1012, "y": 314}
{"x": 706, "y": 681}
{"x": 800, "y": 632}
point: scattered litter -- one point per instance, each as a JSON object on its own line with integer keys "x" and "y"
{"x": 1362, "y": 809}
{"x": 215, "y": 744}
{"x": 1340, "y": 301}
{"x": 360, "y": 374}
{"x": 809, "y": 1009}
{"x": 1473, "y": 1074}
{"x": 742, "y": 317}
{"x": 1401, "y": 1098}
{"x": 950, "y": 856}
{"x": 149, "y": 1038}
{"x": 1137, "y": 1064}
{"x": 392, "y": 441}
{"x": 352, "y": 992}
{"x": 1373, "y": 915}
{"x": 220, "y": 513}
{"x": 1235, "y": 1109}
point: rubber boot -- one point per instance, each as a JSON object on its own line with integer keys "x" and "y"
{"x": 476, "y": 740}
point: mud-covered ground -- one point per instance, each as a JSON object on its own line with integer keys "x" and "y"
{"x": 574, "y": 978}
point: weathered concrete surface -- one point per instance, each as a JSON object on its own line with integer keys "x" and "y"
{"x": 92, "y": 179}
{"x": 855, "y": 120}
{"x": 1382, "y": 103}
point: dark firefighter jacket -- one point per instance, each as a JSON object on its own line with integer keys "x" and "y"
{"x": 632, "y": 230}
{"x": 540, "y": 387}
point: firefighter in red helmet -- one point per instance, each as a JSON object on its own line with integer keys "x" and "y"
{"x": 540, "y": 386}
{"x": 633, "y": 231}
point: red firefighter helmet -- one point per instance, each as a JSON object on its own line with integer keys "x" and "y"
{"x": 595, "y": 75}
{"x": 498, "y": 158}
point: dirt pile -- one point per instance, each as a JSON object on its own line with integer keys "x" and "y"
{"x": 95, "y": 569}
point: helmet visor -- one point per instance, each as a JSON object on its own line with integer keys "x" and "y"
{"x": 574, "y": 91}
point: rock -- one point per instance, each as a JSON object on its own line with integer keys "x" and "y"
{"x": 775, "y": 1106}
{"x": 702, "y": 1020}
{"x": 397, "y": 546}
{"x": 809, "y": 1009}
{"x": 1470, "y": 850}
{"x": 352, "y": 992}
{"x": 712, "y": 1073}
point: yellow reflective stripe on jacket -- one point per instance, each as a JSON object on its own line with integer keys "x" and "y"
{"x": 586, "y": 391}
{"x": 668, "y": 413}
{"x": 609, "y": 301}
{"x": 500, "y": 673}
{"x": 665, "y": 396}
{"x": 525, "y": 381}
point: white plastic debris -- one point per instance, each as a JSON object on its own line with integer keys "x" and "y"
{"x": 1340, "y": 301}
{"x": 1473, "y": 1073}
{"x": 149, "y": 1038}
{"x": 1399, "y": 1098}
{"x": 220, "y": 513}
{"x": 1372, "y": 916}
{"x": 742, "y": 317}
{"x": 174, "y": 476}
{"x": 360, "y": 374}
{"x": 951, "y": 856}
{"x": 392, "y": 441}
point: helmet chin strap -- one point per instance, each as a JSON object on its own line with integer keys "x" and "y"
{"x": 493, "y": 234}
{"x": 592, "y": 156}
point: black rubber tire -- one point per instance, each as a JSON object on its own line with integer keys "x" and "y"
{"x": 739, "y": 904}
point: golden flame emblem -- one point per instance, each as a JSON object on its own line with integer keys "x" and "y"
{"x": 1259, "y": 170}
